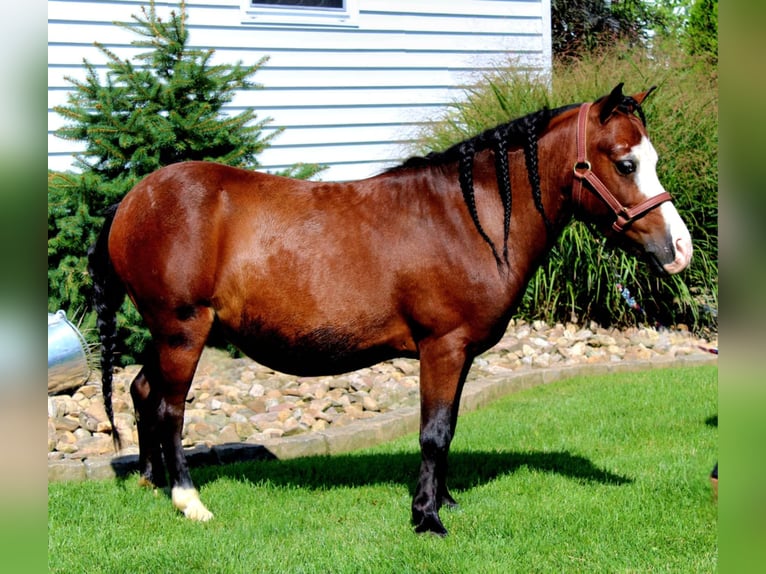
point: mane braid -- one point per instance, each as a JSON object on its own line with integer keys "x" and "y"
{"x": 533, "y": 172}
{"x": 502, "y": 172}
{"x": 465, "y": 174}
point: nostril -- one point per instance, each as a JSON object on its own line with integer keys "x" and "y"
{"x": 684, "y": 248}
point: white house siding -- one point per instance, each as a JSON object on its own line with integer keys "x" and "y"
{"x": 350, "y": 97}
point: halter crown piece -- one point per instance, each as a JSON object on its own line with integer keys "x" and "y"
{"x": 583, "y": 171}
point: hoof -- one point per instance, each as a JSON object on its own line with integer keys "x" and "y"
{"x": 431, "y": 524}
{"x": 187, "y": 501}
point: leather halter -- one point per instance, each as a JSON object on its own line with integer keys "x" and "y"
{"x": 582, "y": 171}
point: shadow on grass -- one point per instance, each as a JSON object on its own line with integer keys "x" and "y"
{"x": 466, "y": 470}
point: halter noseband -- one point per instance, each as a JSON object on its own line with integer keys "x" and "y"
{"x": 582, "y": 171}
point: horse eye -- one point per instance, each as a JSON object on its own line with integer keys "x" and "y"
{"x": 626, "y": 166}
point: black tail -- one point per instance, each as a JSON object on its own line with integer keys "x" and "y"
{"x": 108, "y": 294}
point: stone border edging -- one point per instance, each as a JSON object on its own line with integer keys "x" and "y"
{"x": 363, "y": 433}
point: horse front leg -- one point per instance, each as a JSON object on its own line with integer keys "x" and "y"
{"x": 444, "y": 365}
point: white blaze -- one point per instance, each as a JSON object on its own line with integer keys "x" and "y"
{"x": 649, "y": 184}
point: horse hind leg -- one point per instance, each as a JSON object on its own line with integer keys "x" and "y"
{"x": 179, "y": 340}
{"x": 146, "y": 405}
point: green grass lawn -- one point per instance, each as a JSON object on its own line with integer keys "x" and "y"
{"x": 592, "y": 474}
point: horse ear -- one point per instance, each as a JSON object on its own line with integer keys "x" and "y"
{"x": 643, "y": 95}
{"x": 613, "y": 100}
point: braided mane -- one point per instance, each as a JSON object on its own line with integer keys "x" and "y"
{"x": 523, "y": 132}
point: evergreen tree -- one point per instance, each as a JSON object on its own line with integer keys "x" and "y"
{"x": 163, "y": 108}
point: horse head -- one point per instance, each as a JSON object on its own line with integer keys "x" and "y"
{"x": 615, "y": 183}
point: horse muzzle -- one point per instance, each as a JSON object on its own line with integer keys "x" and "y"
{"x": 683, "y": 256}
{"x": 672, "y": 255}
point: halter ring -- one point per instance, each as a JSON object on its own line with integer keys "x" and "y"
{"x": 583, "y": 166}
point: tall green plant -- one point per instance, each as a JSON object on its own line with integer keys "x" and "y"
{"x": 162, "y": 107}
{"x": 701, "y": 33}
{"x": 579, "y": 279}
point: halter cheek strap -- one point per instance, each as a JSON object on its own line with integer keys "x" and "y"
{"x": 583, "y": 171}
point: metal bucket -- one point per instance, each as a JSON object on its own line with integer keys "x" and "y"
{"x": 67, "y": 354}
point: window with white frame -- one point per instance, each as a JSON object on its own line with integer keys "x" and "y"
{"x": 301, "y": 12}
